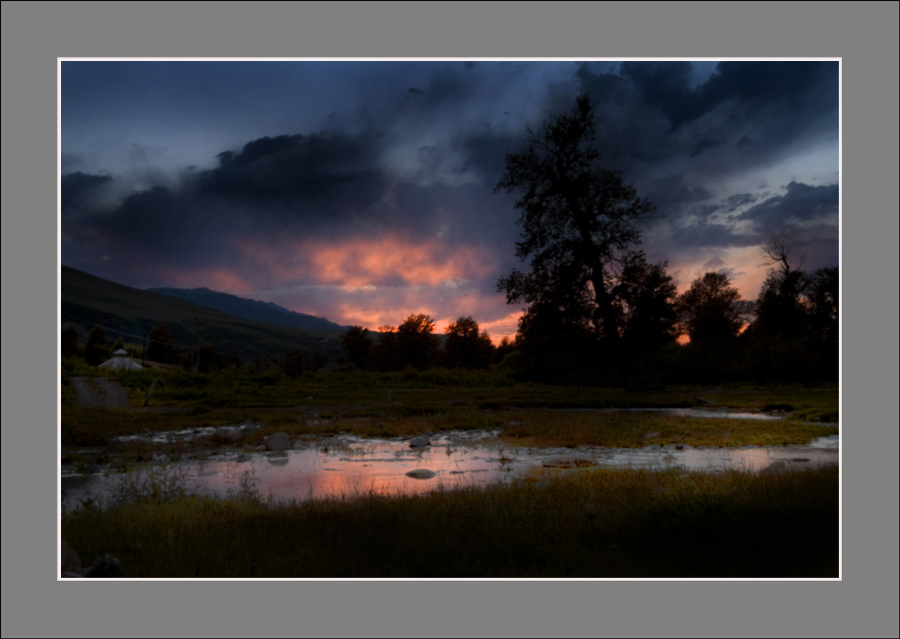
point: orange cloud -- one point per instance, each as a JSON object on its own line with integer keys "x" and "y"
{"x": 744, "y": 260}
{"x": 364, "y": 262}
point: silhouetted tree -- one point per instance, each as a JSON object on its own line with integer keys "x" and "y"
{"x": 466, "y": 347}
{"x": 293, "y": 363}
{"x": 357, "y": 345}
{"x": 779, "y": 251}
{"x": 69, "y": 343}
{"x": 577, "y": 217}
{"x": 416, "y": 343}
{"x": 823, "y": 299}
{"x": 557, "y": 340}
{"x": 384, "y": 355}
{"x": 646, "y": 297}
{"x": 318, "y": 361}
{"x": 162, "y": 347}
{"x": 710, "y": 309}
{"x": 780, "y": 308}
{"x": 506, "y": 347}
{"x": 96, "y": 349}
{"x": 210, "y": 359}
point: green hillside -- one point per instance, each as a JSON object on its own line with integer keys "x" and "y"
{"x": 131, "y": 313}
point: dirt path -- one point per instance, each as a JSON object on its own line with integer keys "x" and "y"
{"x": 98, "y": 391}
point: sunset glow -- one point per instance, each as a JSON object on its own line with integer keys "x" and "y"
{"x": 379, "y": 205}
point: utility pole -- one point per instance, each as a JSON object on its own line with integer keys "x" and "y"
{"x": 196, "y": 347}
{"x": 196, "y": 342}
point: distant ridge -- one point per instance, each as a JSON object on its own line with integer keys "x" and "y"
{"x": 254, "y": 310}
{"x": 131, "y": 313}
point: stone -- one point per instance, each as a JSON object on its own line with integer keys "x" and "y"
{"x": 775, "y": 468}
{"x": 421, "y": 473}
{"x": 235, "y": 435}
{"x": 569, "y": 462}
{"x": 419, "y": 442}
{"x": 651, "y": 435}
{"x": 278, "y": 441}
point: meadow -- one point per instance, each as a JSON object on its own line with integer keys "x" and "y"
{"x": 548, "y": 523}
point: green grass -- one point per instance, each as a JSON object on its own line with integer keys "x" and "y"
{"x": 630, "y": 430}
{"x": 358, "y": 403}
{"x": 589, "y": 523}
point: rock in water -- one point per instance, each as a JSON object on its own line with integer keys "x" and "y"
{"x": 419, "y": 442}
{"x": 775, "y": 468}
{"x": 569, "y": 462}
{"x": 278, "y": 441}
{"x": 421, "y": 473}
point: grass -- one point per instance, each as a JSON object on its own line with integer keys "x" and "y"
{"x": 357, "y": 403}
{"x": 628, "y": 430}
{"x": 588, "y": 523}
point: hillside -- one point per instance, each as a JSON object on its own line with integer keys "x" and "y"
{"x": 250, "y": 309}
{"x": 124, "y": 311}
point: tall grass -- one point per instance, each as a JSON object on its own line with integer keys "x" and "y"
{"x": 588, "y": 523}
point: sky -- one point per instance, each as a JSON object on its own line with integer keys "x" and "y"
{"x": 363, "y": 191}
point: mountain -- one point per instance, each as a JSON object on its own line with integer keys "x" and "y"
{"x": 123, "y": 311}
{"x": 249, "y": 309}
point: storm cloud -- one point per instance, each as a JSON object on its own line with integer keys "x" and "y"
{"x": 365, "y": 191}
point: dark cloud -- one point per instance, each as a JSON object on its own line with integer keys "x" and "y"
{"x": 665, "y": 86}
{"x": 78, "y": 188}
{"x": 319, "y": 174}
{"x": 705, "y": 210}
{"x": 655, "y": 114}
{"x": 415, "y": 149}
{"x": 704, "y": 143}
{"x": 696, "y": 194}
{"x": 70, "y": 162}
{"x": 735, "y": 202}
{"x": 713, "y": 263}
{"x": 799, "y": 85}
{"x": 802, "y": 202}
{"x": 705, "y": 234}
{"x": 673, "y": 197}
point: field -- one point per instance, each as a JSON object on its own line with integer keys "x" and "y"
{"x": 585, "y": 523}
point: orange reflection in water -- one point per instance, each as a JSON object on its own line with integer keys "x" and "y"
{"x": 374, "y": 466}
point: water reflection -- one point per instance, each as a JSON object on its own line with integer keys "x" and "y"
{"x": 350, "y": 465}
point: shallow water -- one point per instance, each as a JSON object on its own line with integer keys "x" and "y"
{"x": 685, "y": 412}
{"x": 349, "y": 465}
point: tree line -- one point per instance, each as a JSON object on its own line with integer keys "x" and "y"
{"x": 596, "y": 310}
{"x": 414, "y": 344}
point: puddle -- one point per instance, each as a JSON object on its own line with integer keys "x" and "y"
{"x": 349, "y": 465}
{"x": 683, "y": 412}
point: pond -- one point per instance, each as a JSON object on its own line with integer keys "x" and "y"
{"x": 347, "y": 465}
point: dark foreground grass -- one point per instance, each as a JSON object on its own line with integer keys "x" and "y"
{"x": 410, "y": 392}
{"x": 588, "y": 523}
